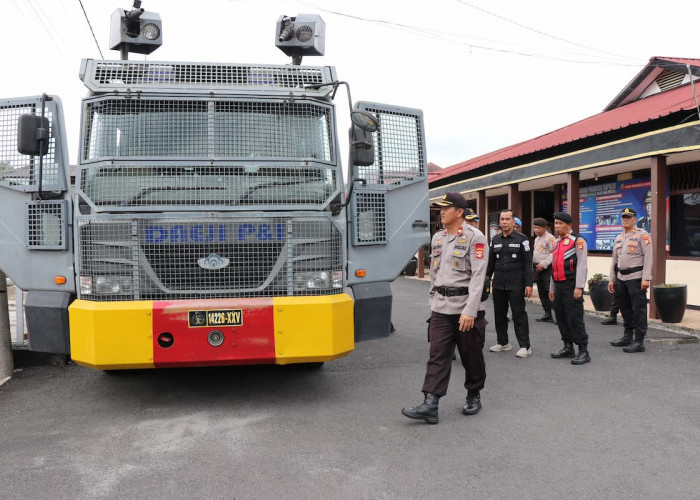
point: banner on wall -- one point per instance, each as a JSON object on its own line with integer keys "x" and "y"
{"x": 600, "y": 207}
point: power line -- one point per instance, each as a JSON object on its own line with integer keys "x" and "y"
{"x": 91, "y": 30}
{"x": 439, "y": 36}
{"x": 463, "y": 2}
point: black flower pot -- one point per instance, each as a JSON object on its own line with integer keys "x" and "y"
{"x": 670, "y": 302}
{"x": 600, "y": 296}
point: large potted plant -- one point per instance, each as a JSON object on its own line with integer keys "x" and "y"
{"x": 598, "y": 289}
{"x": 670, "y": 300}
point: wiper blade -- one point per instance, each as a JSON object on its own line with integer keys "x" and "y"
{"x": 155, "y": 189}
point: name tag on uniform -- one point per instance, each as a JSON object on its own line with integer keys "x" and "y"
{"x": 514, "y": 245}
{"x": 498, "y": 245}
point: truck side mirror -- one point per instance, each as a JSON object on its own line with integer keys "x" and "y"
{"x": 361, "y": 147}
{"x": 33, "y": 135}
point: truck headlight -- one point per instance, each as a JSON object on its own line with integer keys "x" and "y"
{"x": 105, "y": 285}
{"x": 317, "y": 280}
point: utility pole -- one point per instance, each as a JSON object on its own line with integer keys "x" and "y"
{"x": 6, "y": 363}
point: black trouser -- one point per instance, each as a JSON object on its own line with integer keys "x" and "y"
{"x": 569, "y": 313}
{"x": 633, "y": 305}
{"x": 615, "y": 304}
{"x": 444, "y": 334}
{"x": 516, "y": 299}
{"x": 542, "y": 278}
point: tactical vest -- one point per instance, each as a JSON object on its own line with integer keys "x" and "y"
{"x": 565, "y": 260}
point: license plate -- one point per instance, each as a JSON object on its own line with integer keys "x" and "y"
{"x": 221, "y": 317}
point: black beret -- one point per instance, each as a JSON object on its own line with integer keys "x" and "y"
{"x": 563, "y": 216}
{"x": 539, "y": 221}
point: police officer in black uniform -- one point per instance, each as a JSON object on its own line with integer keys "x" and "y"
{"x": 510, "y": 264}
{"x": 569, "y": 272}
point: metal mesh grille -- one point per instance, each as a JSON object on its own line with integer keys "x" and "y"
{"x": 398, "y": 149}
{"x": 17, "y": 169}
{"x": 369, "y": 218}
{"x": 135, "y": 186}
{"x": 104, "y": 75}
{"x": 46, "y": 225}
{"x": 159, "y": 259}
{"x": 207, "y": 129}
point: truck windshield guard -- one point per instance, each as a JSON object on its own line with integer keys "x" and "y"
{"x": 205, "y": 128}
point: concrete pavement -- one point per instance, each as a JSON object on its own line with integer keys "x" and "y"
{"x": 624, "y": 426}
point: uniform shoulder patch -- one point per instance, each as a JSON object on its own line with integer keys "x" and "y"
{"x": 479, "y": 250}
{"x": 646, "y": 239}
{"x": 526, "y": 245}
{"x": 579, "y": 244}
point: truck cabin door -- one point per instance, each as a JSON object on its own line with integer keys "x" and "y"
{"x": 389, "y": 211}
{"x": 36, "y": 250}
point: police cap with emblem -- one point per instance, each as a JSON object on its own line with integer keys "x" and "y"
{"x": 470, "y": 214}
{"x": 539, "y": 221}
{"x": 451, "y": 200}
{"x": 628, "y": 212}
{"x": 563, "y": 216}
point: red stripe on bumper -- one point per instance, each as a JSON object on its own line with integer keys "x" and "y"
{"x": 250, "y": 343}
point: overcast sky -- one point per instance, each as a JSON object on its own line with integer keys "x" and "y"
{"x": 487, "y": 74}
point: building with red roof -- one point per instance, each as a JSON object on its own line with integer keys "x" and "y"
{"x": 641, "y": 151}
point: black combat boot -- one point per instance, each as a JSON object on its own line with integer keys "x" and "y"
{"x": 428, "y": 411}
{"x": 473, "y": 402}
{"x": 610, "y": 320}
{"x": 547, "y": 318}
{"x": 582, "y": 357}
{"x": 637, "y": 345}
{"x": 566, "y": 352}
{"x": 625, "y": 340}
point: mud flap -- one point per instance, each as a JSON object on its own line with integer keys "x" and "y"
{"x": 372, "y": 310}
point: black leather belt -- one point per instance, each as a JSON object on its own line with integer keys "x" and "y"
{"x": 631, "y": 270}
{"x": 451, "y": 291}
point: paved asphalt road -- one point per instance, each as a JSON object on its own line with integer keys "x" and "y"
{"x": 623, "y": 427}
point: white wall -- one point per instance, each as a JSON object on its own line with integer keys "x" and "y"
{"x": 677, "y": 271}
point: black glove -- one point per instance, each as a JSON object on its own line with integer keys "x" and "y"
{"x": 487, "y": 290}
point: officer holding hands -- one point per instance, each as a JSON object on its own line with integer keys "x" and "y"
{"x": 630, "y": 278}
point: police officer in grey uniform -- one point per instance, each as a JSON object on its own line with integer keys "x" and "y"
{"x": 630, "y": 278}
{"x": 542, "y": 264}
{"x": 457, "y": 273}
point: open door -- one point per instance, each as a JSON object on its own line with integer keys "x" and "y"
{"x": 36, "y": 250}
{"x": 389, "y": 213}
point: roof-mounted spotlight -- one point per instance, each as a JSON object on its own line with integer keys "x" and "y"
{"x": 303, "y": 35}
{"x": 135, "y": 30}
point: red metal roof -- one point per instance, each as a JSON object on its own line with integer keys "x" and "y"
{"x": 643, "y": 110}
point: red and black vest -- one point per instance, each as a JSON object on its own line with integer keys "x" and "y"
{"x": 564, "y": 263}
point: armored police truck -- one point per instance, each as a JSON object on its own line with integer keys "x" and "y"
{"x": 209, "y": 222}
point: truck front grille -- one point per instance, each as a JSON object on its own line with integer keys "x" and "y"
{"x": 142, "y": 258}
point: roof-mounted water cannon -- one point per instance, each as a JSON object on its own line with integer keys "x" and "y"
{"x": 135, "y": 30}
{"x": 303, "y": 35}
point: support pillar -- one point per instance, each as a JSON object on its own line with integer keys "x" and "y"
{"x": 557, "y": 199}
{"x": 573, "y": 198}
{"x": 514, "y": 200}
{"x": 659, "y": 176}
{"x": 482, "y": 210}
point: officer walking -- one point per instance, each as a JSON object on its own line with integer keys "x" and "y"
{"x": 630, "y": 277}
{"x": 542, "y": 263}
{"x": 510, "y": 263}
{"x": 457, "y": 273}
{"x": 569, "y": 272}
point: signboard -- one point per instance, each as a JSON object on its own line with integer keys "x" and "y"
{"x": 600, "y": 207}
